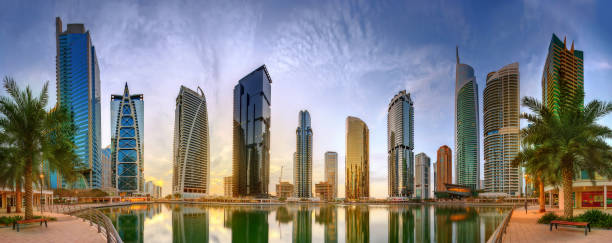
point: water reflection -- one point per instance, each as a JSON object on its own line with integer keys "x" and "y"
{"x": 303, "y": 223}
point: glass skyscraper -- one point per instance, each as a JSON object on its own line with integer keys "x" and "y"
{"x": 467, "y": 136}
{"x": 191, "y": 153}
{"x": 563, "y": 73}
{"x": 501, "y": 108}
{"x": 78, "y": 90}
{"x": 400, "y": 143}
{"x": 303, "y": 158}
{"x": 443, "y": 168}
{"x": 331, "y": 171}
{"x": 357, "y": 159}
{"x": 421, "y": 176}
{"x": 251, "y": 134}
{"x": 127, "y": 137}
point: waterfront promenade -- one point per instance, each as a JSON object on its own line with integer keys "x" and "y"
{"x": 65, "y": 229}
{"x": 524, "y": 228}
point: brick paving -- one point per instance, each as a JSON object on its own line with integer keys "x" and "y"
{"x": 65, "y": 229}
{"x": 525, "y": 228}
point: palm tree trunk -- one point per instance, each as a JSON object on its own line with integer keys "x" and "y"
{"x": 18, "y": 198}
{"x": 568, "y": 203}
{"x": 542, "y": 195}
{"x": 28, "y": 188}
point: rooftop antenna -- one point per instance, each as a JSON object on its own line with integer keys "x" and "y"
{"x": 457, "y": 51}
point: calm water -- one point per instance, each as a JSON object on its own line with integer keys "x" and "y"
{"x": 298, "y": 223}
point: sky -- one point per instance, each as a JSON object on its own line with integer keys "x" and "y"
{"x": 333, "y": 58}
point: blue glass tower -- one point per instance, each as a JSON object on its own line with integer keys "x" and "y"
{"x": 127, "y": 129}
{"x": 78, "y": 89}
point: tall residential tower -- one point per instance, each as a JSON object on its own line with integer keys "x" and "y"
{"x": 467, "y": 136}
{"x": 302, "y": 169}
{"x": 501, "y": 130}
{"x": 357, "y": 159}
{"x": 78, "y": 90}
{"x": 191, "y": 156}
{"x": 331, "y": 171}
{"x": 444, "y": 168}
{"x": 127, "y": 138}
{"x": 251, "y": 135}
{"x": 400, "y": 143}
{"x": 421, "y": 176}
{"x": 563, "y": 73}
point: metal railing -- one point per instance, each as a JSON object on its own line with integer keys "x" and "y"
{"x": 102, "y": 222}
{"x": 498, "y": 235}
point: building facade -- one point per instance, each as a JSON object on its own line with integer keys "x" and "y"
{"x": 127, "y": 148}
{"x": 324, "y": 191}
{"x": 421, "y": 176}
{"x": 302, "y": 168}
{"x": 563, "y": 73}
{"x": 444, "y": 168}
{"x": 467, "y": 135}
{"x": 154, "y": 191}
{"x": 501, "y": 101}
{"x": 357, "y": 159}
{"x": 78, "y": 90}
{"x": 331, "y": 171}
{"x": 106, "y": 161}
{"x": 251, "y": 134}
{"x": 227, "y": 186}
{"x": 284, "y": 190}
{"x": 191, "y": 155}
{"x": 400, "y": 143}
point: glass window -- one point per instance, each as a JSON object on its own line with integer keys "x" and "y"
{"x": 128, "y": 183}
{"x": 126, "y": 132}
{"x": 127, "y": 143}
{"x": 127, "y": 155}
{"x": 127, "y": 121}
{"x": 126, "y": 109}
{"x": 127, "y": 169}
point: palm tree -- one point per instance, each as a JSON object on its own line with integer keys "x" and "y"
{"x": 569, "y": 140}
{"x": 537, "y": 163}
{"x": 34, "y": 135}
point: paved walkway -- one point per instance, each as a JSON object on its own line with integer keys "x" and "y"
{"x": 65, "y": 229}
{"x": 525, "y": 228}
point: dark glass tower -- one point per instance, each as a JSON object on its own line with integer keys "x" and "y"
{"x": 78, "y": 90}
{"x": 251, "y": 138}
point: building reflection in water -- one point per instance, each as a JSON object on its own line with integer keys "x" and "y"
{"x": 357, "y": 223}
{"x": 302, "y": 225}
{"x": 189, "y": 224}
{"x": 401, "y": 224}
{"x": 283, "y": 216}
{"x": 328, "y": 217}
{"x": 421, "y": 222}
{"x": 247, "y": 225}
{"x": 129, "y": 221}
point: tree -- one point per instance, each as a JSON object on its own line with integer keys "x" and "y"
{"x": 568, "y": 140}
{"x": 35, "y": 135}
{"x": 537, "y": 163}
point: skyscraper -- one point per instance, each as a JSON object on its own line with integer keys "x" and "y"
{"x": 331, "y": 171}
{"x": 444, "y": 168}
{"x": 467, "y": 140}
{"x": 421, "y": 176}
{"x": 303, "y": 158}
{"x": 78, "y": 90}
{"x": 501, "y": 130}
{"x": 251, "y": 135}
{"x": 127, "y": 137}
{"x": 106, "y": 161}
{"x": 227, "y": 186}
{"x": 400, "y": 143}
{"x": 191, "y": 156}
{"x": 357, "y": 159}
{"x": 563, "y": 73}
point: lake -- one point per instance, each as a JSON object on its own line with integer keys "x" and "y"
{"x": 303, "y": 223}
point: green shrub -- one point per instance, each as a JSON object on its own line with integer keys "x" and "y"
{"x": 546, "y": 218}
{"x": 9, "y": 220}
{"x": 597, "y": 218}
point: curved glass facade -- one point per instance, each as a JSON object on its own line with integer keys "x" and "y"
{"x": 467, "y": 139}
{"x": 357, "y": 159}
{"x": 400, "y": 142}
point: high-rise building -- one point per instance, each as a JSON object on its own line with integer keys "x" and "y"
{"x": 227, "y": 186}
{"x": 78, "y": 90}
{"x": 302, "y": 169}
{"x": 400, "y": 143}
{"x": 357, "y": 159}
{"x": 127, "y": 137}
{"x": 563, "y": 73}
{"x": 331, "y": 171}
{"x": 421, "y": 176}
{"x": 467, "y": 136}
{"x": 501, "y": 108}
{"x": 191, "y": 156}
{"x": 444, "y": 168}
{"x": 251, "y": 135}
{"x": 434, "y": 168}
{"x": 106, "y": 161}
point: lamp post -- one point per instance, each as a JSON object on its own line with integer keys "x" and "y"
{"x": 41, "y": 192}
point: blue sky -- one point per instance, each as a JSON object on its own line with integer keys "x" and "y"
{"x": 334, "y": 58}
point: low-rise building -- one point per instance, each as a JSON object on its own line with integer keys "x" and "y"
{"x": 325, "y": 191}
{"x": 284, "y": 190}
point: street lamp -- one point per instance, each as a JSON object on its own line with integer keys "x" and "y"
{"x": 41, "y": 192}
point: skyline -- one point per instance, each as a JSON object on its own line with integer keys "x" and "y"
{"x": 340, "y": 71}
